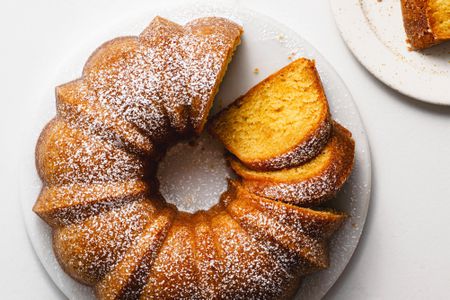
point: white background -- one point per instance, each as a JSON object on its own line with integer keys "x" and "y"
{"x": 405, "y": 249}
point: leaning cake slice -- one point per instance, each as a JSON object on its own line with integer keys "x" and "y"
{"x": 309, "y": 184}
{"x": 282, "y": 122}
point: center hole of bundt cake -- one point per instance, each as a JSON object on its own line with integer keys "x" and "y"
{"x": 194, "y": 174}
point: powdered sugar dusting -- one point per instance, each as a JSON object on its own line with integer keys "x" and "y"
{"x": 92, "y": 248}
{"x": 113, "y": 128}
{"x": 308, "y": 192}
{"x": 69, "y": 156}
{"x": 169, "y": 72}
{"x": 248, "y": 271}
{"x": 131, "y": 274}
{"x": 74, "y": 202}
{"x": 301, "y": 232}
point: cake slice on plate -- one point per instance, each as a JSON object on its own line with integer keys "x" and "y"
{"x": 427, "y": 22}
{"x": 282, "y": 122}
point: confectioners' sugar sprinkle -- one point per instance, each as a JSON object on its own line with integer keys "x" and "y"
{"x": 249, "y": 272}
{"x": 74, "y": 202}
{"x": 92, "y": 248}
{"x": 308, "y": 191}
{"x": 167, "y": 74}
{"x": 70, "y": 156}
{"x": 130, "y": 275}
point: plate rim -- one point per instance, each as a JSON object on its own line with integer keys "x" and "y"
{"x": 360, "y": 27}
{"x": 242, "y": 10}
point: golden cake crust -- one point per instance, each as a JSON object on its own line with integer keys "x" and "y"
{"x": 128, "y": 278}
{"x": 304, "y": 239}
{"x": 66, "y": 155}
{"x": 231, "y": 34}
{"x": 289, "y": 154}
{"x": 112, "y": 230}
{"x": 90, "y": 249}
{"x": 67, "y": 204}
{"x": 315, "y": 182}
{"x": 424, "y": 22}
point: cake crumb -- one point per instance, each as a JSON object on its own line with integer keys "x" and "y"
{"x": 256, "y": 71}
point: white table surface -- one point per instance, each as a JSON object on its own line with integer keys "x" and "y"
{"x": 404, "y": 251}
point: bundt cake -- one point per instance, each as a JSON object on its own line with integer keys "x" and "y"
{"x": 97, "y": 159}
{"x": 309, "y": 184}
{"x": 281, "y": 122}
{"x": 427, "y": 22}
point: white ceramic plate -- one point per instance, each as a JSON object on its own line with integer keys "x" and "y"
{"x": 374, "y": 32}
{"x": 266, "y": 46}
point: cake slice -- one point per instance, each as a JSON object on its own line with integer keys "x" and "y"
{"x": 206, "y": 257}
{"x": 309, "y": 184}
{"x": 427, "y": 22}
{"x": 317, "y": 224}
{"x": 282, "y": 122}
{"x": 128, "y": 278}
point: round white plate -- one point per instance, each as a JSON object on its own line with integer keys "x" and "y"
{"x": 374, "y": 32}
{"x": 266, "y": 46}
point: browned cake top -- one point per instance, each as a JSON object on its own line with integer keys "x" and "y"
{"x": 164, "y": 73}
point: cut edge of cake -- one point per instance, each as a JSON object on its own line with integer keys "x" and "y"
{"x": 423, "y": 21}
{"x": 309, "y": 184}
{"x": 307, "y": 95}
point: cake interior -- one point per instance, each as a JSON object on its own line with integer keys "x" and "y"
{"x": 439, "y": 14}
{"x": 278, "y": 113}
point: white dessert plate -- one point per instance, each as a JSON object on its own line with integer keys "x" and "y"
{"x": 266, "y": 47}
{"x": 374, "y": 32}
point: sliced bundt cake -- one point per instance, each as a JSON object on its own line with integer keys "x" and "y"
{"x": 309, "y": 184}
{"x": 281, "y": 122}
